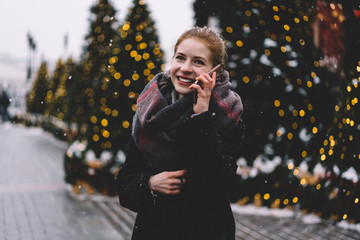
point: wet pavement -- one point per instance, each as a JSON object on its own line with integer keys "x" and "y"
{"x": 34, "y": 202}
{"x": 36, "y": 205}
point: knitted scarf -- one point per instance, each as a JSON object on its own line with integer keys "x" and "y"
{"x": 157, "y": 116}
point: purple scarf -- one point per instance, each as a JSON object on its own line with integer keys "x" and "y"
{"x": 156, "y": 115}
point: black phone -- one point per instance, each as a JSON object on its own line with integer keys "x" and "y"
{"x": 214, "y": 69}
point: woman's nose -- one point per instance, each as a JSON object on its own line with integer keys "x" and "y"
{"x": 186, "y": 67}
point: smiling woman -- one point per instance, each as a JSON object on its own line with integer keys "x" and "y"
{"x": 181, "y": 159}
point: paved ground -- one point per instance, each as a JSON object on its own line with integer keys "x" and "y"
{"x": 35, "y": 205}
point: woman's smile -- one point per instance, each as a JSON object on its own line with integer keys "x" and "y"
{"x": 185, "y": 80}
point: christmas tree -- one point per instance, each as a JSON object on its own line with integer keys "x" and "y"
{"x": 132, "y": 66}
{"x": 117, "y": 73}
{"x": 36, "y": 99}
{"x": 340, "y": 152}
{"x": 296, "y": 66}
{"x": 87, "y": 164}
{"x": 61, "y": 104}
{"x": 54, "y": 82}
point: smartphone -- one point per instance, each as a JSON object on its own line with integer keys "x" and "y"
{"x": 214, "y": 69}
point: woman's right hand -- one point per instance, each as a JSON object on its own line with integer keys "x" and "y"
{"x": 169, "y": 183}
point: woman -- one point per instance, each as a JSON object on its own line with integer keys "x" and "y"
{"x": 184, "y": 146}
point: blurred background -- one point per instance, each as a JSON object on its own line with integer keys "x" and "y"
{"x": 76, "y": 68}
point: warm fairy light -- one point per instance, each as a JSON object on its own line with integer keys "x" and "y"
{"x": 295, "y": 200}
{"x": 138, "y": 57}
{"x": 133, "y": 53}
{"x": 239, "y": 43}
{"x": 125, "y": 124}
{"x": 286, "y": 27}
{"x": 146, "y": 72}
{"x": 302, "y": 113}
{"x": 303, "y": 181}
{"x": 314, "y": 130}
{"x": 276, "y": 18}
{"x": 345, "y": 216}
{"x": 290, "y": 136}
{"x": 229, "y": 29}
{"x": 318, "y": 186}
{"x": 128, "y": 47}
{"x": 95, "y": 137}
{"x": 113, "y": 59}
{"x": 108, "y": 144}
{"x": 150, "y": 65}
{"x": 93, "y": 119}
{"x": 107, "y": 111}
{"x": 126, "y": 26}
{"x": 281, "y": 113}
{"x": 286, "y": 201}
{"x": 105, "y": 133}
{"x": 117, "y": 76}
{"x": 142, "y": 45}
{"x": 127, "y": 82}
{"x": 356, "y": 200}
{"x": 275, "y": 8}
{"x": 104, "y": 122}
{"x": 133, "y": 107}
{"x": 246, "y": 79}
{"x": 146, "y": 56}
{"x": 266, "y": 196}
{"x": 135, "y": 76}
{"x": 290, "y": 166}
{"x": 114, "y": 113}
{"x": 303, "y": 153}
{"x": 138, "y": 38}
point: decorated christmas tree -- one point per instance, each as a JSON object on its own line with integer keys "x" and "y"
{"x": 61, "y": 104}
{"x": 36, "y": 98}
{"x": 132, "y": 66}
{"x": 54, "y": 82}
{"x": 340, "y": 151}
{"x": 88, "y": 166}
{"x": 115, "y": 70}
{"x": 301, "y": 116}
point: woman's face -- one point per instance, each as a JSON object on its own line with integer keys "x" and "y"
{"x": 191, "y": 59}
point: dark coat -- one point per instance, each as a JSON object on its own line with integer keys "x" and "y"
{"x": 202, "y": 209}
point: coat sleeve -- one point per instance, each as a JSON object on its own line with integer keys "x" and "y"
{"x": 132, "y": 180}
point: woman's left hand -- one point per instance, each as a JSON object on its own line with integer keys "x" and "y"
{"x": 203, "y": 90}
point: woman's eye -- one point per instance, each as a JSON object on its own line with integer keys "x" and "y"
{"x": 179, "y": 57}
{"x": 199, "y": 62}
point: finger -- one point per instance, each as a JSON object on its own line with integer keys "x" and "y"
{"x": 213, "y": 80}
{"x": 176, "y": 174}
{"x": 204, "y": 79}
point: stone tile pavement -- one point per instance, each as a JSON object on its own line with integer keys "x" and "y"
{"x": 35, "y": 203}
